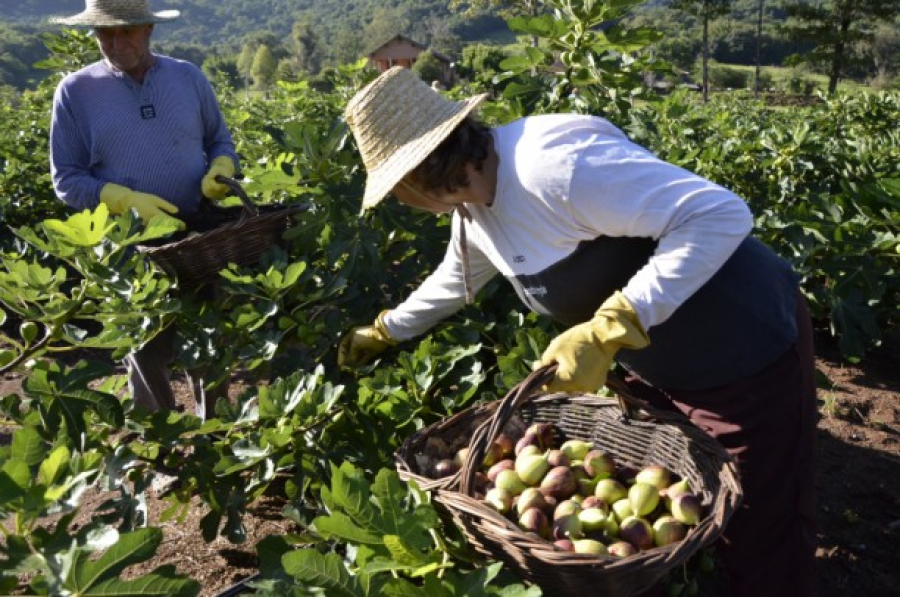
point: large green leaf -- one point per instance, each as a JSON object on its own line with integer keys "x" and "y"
{"x": 313, "y": 569}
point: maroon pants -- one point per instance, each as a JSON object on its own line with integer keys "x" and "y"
{"x": 768, "y": 424}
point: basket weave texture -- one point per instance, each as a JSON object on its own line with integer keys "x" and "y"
{"x": 218, "y": 237}
{"x": 664, "y": 438}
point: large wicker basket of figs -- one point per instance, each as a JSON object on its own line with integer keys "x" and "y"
{"x": 572, "y": 494}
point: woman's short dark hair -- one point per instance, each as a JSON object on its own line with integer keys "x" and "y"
{"x": 445, "y": 167}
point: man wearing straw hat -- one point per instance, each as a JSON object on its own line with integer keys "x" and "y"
{"x": 144, "y": 132}
{"x": 642, "y": 261}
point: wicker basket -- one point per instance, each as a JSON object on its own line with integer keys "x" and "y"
{"x": 216, "y": 237}
{"x": 658, "y": 437}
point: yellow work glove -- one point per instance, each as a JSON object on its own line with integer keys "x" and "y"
{"x": 585, "y": 352}
{"x": 362, "y": 344}
{"x": 120, "y": 199}
{"x": 222, "y": 165}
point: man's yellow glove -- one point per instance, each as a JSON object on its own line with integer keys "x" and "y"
{"x": 222, "y": 165}
{"x": 362, "y": 344}
{"x": 585, "y": 352}
{"x": 120, "y": 199}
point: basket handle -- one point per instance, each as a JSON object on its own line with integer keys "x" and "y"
{"x": 488, "y": 431}
{"x": 249, "y": 208}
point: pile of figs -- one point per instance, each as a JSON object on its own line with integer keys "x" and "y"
{"x": 577, "y": 497}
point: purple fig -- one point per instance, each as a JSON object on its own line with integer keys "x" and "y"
{"x": 637, "y": 531}
{"x": 621, "y": 549}
{"x": 533, "y": 520}
{"x": 559, "y": 482}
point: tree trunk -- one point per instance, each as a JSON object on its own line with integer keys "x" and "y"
{"x": 705, "y": 56}
{"x": 759, "y": 23}
{"x": 837, "y": 59}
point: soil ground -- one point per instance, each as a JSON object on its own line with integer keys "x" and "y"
{"x": 858, "y": 485}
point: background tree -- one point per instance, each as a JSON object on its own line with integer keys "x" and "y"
{"x": 429, "y": 68}
{"x": 306, "y": 51}
{"x": 706, "y": 10}
{"x": 836, "y": 27}
{"x": 245, "y": 63}
{"x": 264, "y": 68}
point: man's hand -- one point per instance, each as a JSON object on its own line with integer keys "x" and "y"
{"x": 585, "y": 352}
{"x": 362, "y": 344}
{"x": 213, "y": 189}
{"x": 120, "y": 199}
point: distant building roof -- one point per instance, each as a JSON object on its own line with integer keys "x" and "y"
{"x": 401, "y": 39}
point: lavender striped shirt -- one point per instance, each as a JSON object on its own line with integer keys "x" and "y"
{"x": 155, "y": 138}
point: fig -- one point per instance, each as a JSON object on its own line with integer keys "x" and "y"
{"x": 590, "y": 546}
{"x": 461, "y": 456}
{"x": 622, "y": 509}
{"x": 564, "y": 544}
{"x": 674, "y": 489}
{"x": 592, "y": 519}
{"x": 587, "y": 486}
{"x": 610, "y": 490}
{"x": 507, "y": 464}
{"x": 637, "y": 531}
{"x": 532, "y": 449}
{"x": 593, "y": 501}
{"x": 566, "y": 507}
{"x": 445, "y": 468}
{"x": 666, "y": 530}
{"x": 599, "y": 464}
{"x": 621, "y": 549}
{"x": 656, "y": 475}
{"x": 576, "y": 449}
{"x": 559, "y": 482}
{"x": 529, "y": 439}
{"x": 686, "y": 508}
{"x": 531, "y": 468}
{"x": 493, "y": 455}
{"x": 499, "y": 499}
{"x": 544, "y": 434}
{"x": 643, "y": 498}
{"x": 533, "y": 520}
{"x": 507, "y": 445}
{"x": 567, "y": 527}
{"x": 531, "y": 497}
{"x": 509, "y": 480}
{"x": 558, "y": 458}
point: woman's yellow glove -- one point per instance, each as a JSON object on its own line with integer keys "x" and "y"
{"x": 362, "y": 344}
{"x": 120, "y": 199}
{"x": 584, "y": 352}
{"x": 213, "y": 189}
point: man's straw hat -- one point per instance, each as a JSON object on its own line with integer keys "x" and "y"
{"x": 398, "y": 120}
{"x": 116, "y": 13}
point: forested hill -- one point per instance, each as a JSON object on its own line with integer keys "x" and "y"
{"x": 225, "y": 23}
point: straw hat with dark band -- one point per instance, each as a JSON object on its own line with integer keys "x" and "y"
{"x": 398, "y": 120}
{"x": 116, "y": 13}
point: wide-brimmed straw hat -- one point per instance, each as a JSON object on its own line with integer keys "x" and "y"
{"x": 398, "y": 120}
{"x": 116, "y": 13}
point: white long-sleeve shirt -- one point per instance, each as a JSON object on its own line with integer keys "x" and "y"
{"x": 579, "y": 212}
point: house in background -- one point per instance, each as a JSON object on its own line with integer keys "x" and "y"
{"x": 403, "y": 51}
